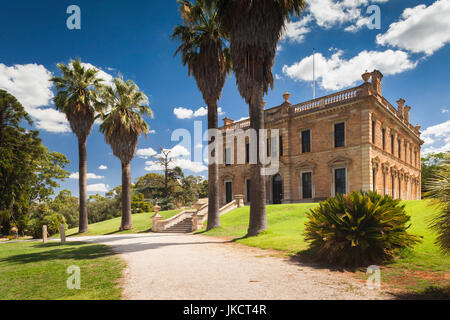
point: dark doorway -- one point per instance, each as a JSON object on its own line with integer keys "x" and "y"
{"x": 340, "y": 181}
{"x": 229, "y": 191}
{"x": 277, "y": 189}
{"x": 307, "y": 185}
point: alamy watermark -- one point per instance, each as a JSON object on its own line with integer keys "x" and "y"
{"x": 73, "y": 22}
{"x": 374, "y": 280}
{"x": 74, "y": 280}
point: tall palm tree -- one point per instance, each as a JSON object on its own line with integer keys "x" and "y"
{"x": 204, "y": 50}
{"x": 122, "y": 126}
{"x": 77, "y": 97}
{"x": 255, "y": 28}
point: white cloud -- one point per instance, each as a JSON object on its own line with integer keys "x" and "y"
{"x": 152, "y": 132}
{"x": 420, "y": 29}
{"x": 103, "y": 167}
{"x": 184, "y": 113}
{"x": 30, "y": 84}
{"x": 336, "y": 73}
{"x": 437, "y": 138}
{"x": 89, "y": 176}
{"x": 146, "y": 153}
{"x": 296, "y": 30}
{"x": 101, "y": 187}
{"x": 108, "y": 79}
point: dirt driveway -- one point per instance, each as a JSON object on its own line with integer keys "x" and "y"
{"x": 185, "y": 267}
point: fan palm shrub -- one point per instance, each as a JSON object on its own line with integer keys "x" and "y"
{"x": 439, "y": 191}
{"x": 122, "y": 126}
{"x": 78, "y": 97}
{"x": 255, "y": 28}
{"x": 204, "y": 50}
{"x": 358, "y": 229}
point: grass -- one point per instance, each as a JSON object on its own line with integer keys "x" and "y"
{"x": 37, "y": 271}
{"x": 141, "y": 223}
{"x": 417, "y": 271}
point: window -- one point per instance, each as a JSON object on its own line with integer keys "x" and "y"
{"x": 384, "y": 138}
{"x": 340, "y": 181}
{"x": 373, "y": 131}
{"x": 228, "y": 161}
{"x": 281, "y": 145}
{"x": 248, "y": 190}
{"x": 415, "y": 158}
{"x": 339, "y": 135}
{"x": 268, "y": 147}
{"x": 399, "y": 187}
{"x": 399, "y": 148}
{"x": 384, "y": 184}
{"x": 247, "y": 153}
{"x": 307, "y": 185}
{"x": 306, "y": 141}
{"x": 393, "y": 186}
{"x": 374, "y": 186}
{"x": 392, "y": 144}
{"x": 229, "y": 191}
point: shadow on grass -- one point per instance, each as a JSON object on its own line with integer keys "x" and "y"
{"x": 72, "y": 251}
{"x": 430, "y": 293}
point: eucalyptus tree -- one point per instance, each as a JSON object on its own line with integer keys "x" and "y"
{"x": 255, "y": 28}
{"x": 78, "y": 97}
{"x": 204, "y": 50}
{"x": 123, "y": 124}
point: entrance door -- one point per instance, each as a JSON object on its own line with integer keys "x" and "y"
{"x": 277, "y": 189}
{"x": 307, "y": 185}
{"x": 229, "y": 191}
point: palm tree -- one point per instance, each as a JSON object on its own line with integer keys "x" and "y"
{"x": 122, "y": 126}
{"x": 77, "y": 97}
{"x": 204, "y": 50}
{"x": 439, "y": 190}
{"x": 255, "y": 28}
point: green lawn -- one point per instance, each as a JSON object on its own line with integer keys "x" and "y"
{"x": 141, "y": 223}
{"x": 415, "y": 270}
{"x": 37, "y": 271}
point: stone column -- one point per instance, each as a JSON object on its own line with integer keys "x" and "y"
{"x": 156, "y": 220}
{"x": 239, "y": 200}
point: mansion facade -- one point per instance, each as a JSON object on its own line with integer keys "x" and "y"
{"x": 348, "y": 141}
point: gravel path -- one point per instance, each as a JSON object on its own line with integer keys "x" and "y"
{"x": 184, "y": 267}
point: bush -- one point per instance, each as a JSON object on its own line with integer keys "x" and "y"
{"x": 51, "y": 220}
{"x": 358, "y": 229}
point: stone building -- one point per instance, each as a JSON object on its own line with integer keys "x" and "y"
{"x": 348, "y": 141}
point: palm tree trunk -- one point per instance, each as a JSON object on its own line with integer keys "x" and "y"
{"x": 213, "y": 172}
{"x": 126, "y": 198}
{"x": 258, "y": 217}
{"x": 82, "y": 154}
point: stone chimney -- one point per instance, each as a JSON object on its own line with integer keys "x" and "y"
{"x": 406, "y": 113}
{"x": 401, "y": 108}
{"x": 227, "y": 122}
{"x": 377, "y": 78}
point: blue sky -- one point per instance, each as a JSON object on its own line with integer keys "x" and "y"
{"x": 133, "y": 38}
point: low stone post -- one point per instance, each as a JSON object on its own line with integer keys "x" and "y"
{"x": 156, "y": 221}
{"x": 195, "y": 222}
{"x": 62, "y": 231}
{"x": 239, "y": 200}
{"x": 44, "y": 234}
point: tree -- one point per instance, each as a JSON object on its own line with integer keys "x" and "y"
{"x": 28, "y": 170}
{"x": 204, "y": 50}
{"x": 431, "y": 164}
{"x": 122, "y": 126}
{"x": 165, "y": 161}
{"x": 255, "y": 27}
{"x": 77, "y": 97}
{"x": 438, "y": 187}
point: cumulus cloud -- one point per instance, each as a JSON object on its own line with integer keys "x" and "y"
{"x": 89, "y": 176}
{"x": 184, "y": 113}
{"x": 146, "y": 153}
{"x": 30, "y": 84}
{"x": 437, "y": 138}
{"x": 103, "y": 167}
{"x": 296, "y": 30}
{"x": 101, "y": 187}
{"x": 420, "y": 29}
{"x": 336, "y": 72}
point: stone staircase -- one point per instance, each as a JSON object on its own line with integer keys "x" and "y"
{"x": 184, "y": 226}
{"x": 191, "y": 220}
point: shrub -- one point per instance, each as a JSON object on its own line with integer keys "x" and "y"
{"x": 358, "y": 229}
{"x": 439, "y": 191}
{"x": 51, "y": 220}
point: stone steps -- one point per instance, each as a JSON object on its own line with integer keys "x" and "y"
{"x": 183, "y": 227}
